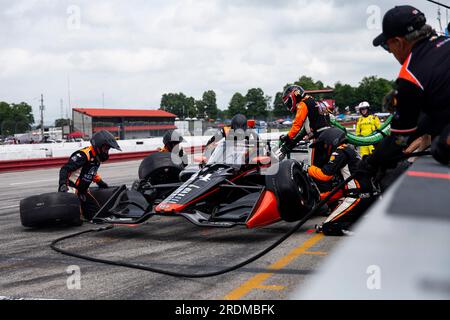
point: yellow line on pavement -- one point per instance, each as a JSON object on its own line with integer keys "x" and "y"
{"x": 256, "y": 281}
{"x": 319, "y": 253}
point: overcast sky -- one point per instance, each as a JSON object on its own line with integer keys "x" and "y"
{"x": 134, "y": 51}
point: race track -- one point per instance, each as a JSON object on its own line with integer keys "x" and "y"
{"x": 30, "y": 269}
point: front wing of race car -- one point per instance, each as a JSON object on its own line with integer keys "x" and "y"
{"x": 256, "y": 209}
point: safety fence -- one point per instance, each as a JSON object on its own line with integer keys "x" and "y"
{"x": 41, "y": 163}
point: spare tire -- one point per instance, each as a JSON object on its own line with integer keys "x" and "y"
{"x": 50, "y": 209}
{"x": 292, "y": 187}
{"x": 158, "y": 168}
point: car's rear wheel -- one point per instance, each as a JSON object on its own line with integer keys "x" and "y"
{"x": 50, "y": 209}
{"x": 293, "y": 189}
{"x": 158, "y": 168}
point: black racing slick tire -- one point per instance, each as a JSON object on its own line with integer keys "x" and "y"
{"x": 293, "y": 189}
{"x": 50, "y": 209}
{"x": 158, "y": 168}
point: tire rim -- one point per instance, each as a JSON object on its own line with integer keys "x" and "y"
{"x": 301, "y": 183}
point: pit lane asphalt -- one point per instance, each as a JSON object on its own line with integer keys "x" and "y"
{"x": 30, "y": 269}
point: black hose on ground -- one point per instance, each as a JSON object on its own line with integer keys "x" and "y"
{"x": 219, "y": 272}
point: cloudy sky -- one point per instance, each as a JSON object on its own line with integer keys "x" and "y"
{"x": 134, "y": 51}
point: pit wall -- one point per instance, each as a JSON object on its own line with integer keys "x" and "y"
{"x": 65, "y": 149}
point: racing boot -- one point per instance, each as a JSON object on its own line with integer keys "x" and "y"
{"x": 330, "y": 229}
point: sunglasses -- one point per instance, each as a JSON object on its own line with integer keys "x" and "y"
{"x": 385, "y": 46}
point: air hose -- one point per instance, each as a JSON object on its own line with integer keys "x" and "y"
{"x": 371, "y": 139}
{"x": 352, "y": 138}
{"x": 313, "y": 211}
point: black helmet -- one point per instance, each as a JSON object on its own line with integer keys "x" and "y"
{"x": 239, "y": 121}
{"x": 171, "y": 138}
{"x": 331, "y": 139}
{"x": 104, "y": 138}
{"x": 292, "y": 96}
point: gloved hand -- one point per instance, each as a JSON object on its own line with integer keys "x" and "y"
{"x": 387, "y": 154}
{"x": 285, "y": 138}
{"x": 305, "y": 166}
{"x": 366, "y": 168}
{"x": 280, "y": 154}
{"x": 102, "y": 184}
{"x": 63, "y": 188}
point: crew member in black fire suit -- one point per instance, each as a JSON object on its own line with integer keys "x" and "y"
{"x": 171, "y": 141}
{"x": 421, "y": 99}
{"x": 314, "y": 116}
{"x": 238, "y": 122}
{"x": 343, "y": 161}
{"x": 81, "y": 170}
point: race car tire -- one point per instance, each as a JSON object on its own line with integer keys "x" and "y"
{"x": 292, "y": 187}
{"x": 158, "y": 168}
{"x": 50, "y": 209}
{"x": 102, "y": 194}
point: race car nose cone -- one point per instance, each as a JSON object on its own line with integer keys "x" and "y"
{"x": 168, "y": 207}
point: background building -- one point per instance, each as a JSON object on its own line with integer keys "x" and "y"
{"x": 123, "y": 123}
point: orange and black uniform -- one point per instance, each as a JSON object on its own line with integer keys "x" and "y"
{"x": 352, "y": 201}
{"x": 316, "y": 120}
{"x": 422, "y": 103}
{"x": 181, "y": 154}
{"x": 78, "y": 174}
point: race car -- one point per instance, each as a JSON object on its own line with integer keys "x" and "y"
{"x": 240, "y": 184}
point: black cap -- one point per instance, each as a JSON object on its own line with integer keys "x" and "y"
{"x": 398, "y": 22}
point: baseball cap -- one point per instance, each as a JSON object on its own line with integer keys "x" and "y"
{"x": 398, "y": 22}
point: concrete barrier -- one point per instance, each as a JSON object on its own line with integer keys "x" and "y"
{"x": 32, "y": 156}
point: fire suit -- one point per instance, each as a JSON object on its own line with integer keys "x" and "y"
{"x": 78, "y": 174}
{"x": 422, "y": 87}
{"x": 315, "y": 121}
{"x": 352, "y": 201}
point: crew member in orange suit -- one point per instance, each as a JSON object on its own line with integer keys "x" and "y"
{"x": 314, "y": 116}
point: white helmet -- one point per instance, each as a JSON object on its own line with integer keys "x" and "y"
{"x": 363, "y": 105}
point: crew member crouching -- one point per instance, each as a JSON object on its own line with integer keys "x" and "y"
{"x": 81, "y": 170}
{"x": 353, "y": 200}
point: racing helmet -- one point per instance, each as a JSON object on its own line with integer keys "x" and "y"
{"x": 363, "y": 106}
{"x": 101, "y": 139}
{"x": 239, "y": 121}
{"x": 172, "y": 138}
{"x": 292, "y": 96}
{"x": 331, "y": 139}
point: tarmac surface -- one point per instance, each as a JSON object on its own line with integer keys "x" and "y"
{"x": 30, "y": 269}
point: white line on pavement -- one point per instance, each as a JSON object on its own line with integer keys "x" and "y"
{"x": 31, "y": 182}
{"x": 9, "y": 207}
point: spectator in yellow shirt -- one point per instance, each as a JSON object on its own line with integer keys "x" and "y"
{"x": 366, "y": 125}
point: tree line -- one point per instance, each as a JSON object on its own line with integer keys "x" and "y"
{"x": 256, "y": 104}
{"x": 15, "y": 118}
